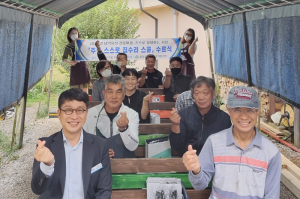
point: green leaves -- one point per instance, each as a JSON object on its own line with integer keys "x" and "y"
{"x": 110, "y": 20}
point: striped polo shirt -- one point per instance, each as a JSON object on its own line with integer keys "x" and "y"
{"x": 252, "y": 173}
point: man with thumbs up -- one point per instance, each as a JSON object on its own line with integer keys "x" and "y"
{"x": 242, "y": 162}
{"x": 113, "y": 120}
{"x": 193, "y": 124}
{"x": 149, "y": 76}
{"x": 72, "y": 163}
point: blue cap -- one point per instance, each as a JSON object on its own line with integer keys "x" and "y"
{"x": 242, "y": 96}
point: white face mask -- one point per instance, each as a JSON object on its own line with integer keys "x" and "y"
{"x": 187, "y": 38}
{"x": 119, "y": 63}
{"x": 75, "y": 36}
{"x": 106, "y": 73}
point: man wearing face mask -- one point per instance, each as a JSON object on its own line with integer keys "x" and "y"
{"x": 104, "y": 70}
{"x": 121, "y": 60}
{"x": 175, "y": 82}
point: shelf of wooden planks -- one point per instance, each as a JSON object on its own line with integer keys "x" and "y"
{"x": 290, "y": 173}
{"x": 290, "y": 176}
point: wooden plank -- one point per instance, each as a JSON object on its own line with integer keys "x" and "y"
{"x": 138, "y": 181}
{"x": 271, "y": 106}
{"x": 165, "y": 120}
{"x": 156, "y": 91}
{"x": 290, "y": 176}
{"x": 143, "y": 138}
{"x": 291, "y": 167}
{"x": 94, "y": 103}
{"x": 129, "y": 194}
{"x": 270, "y": 129}
{"x": 147, "y": 165}
{"x": 140, "y": 152}
{"x": 198, "y": 194}
{"x": 161, "y": 105}
{"x": 146, "y": 129}
{"x": 291, "y": 182}
{"x": 142, "y": 194}
{"x": 297, "y": 128}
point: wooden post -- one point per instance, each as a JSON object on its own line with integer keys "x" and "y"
{"x": 271, "y": 106}
{"x": 297, "y": 128}
{"x": 51, "y": 65}
{"x": 13, "y": 137}
{"x": 260, "y": 108}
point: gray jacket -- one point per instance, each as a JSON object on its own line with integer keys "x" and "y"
{"x": 98, "y": 86}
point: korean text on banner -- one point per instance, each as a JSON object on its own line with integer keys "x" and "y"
{"x": 135, "y": 49}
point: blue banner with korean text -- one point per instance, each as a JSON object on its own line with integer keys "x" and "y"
{"x": 162, "y": 48}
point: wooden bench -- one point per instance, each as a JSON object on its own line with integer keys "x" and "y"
{"x": 156, "y": 91}
{"x": 152, "y": 105}
{"x": 150, "y": 131}
{"x": 130, "y": 175}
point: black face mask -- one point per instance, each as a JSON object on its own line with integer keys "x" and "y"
{"x": 175, "y": 71}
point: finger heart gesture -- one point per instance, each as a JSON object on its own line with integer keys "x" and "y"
{"x": 123, "y": 121}
{"x": 148, "y": 97}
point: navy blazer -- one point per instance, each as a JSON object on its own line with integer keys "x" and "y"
{"x": 94, "y": 151}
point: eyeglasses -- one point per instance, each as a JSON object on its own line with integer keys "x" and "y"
{"x": 188, "y": 34}
{"x": 69, "y": 111}
{"x": 249, "y": 112}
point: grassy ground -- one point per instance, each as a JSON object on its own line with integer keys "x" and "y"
{"x": 38, "y": 94}
{"x": 4, "y": 145}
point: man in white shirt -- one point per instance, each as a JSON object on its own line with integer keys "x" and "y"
{"x": 113, "y": 120}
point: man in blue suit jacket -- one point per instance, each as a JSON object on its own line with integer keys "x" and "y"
{"x": 72, "y": 163}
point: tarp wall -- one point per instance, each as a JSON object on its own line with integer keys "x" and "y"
{"x": 14, "y": 36}
{"x": 274, "y": 54}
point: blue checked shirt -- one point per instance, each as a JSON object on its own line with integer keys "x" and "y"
{"x": 185, "y": 99}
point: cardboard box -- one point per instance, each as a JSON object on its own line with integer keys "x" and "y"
{"x": 158, "y": 148}
{"x": 164, "y": 188}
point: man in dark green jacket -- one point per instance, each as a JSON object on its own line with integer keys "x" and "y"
{"x": 194, "y": 124}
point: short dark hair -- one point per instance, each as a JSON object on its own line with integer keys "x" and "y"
{"x": 122, "y": 54}
{"x": 200, "y": 80}
{"x": 69, "y": 31}
{"x": 176, "y": 59}
{"x": 101, "y": 65}
{"x": 150, "y": 56}
{"x": 130, "y": 72}
{"x": 73, "y": 94}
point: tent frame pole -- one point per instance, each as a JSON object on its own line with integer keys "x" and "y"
{"x": 247, "y": 54}
{"x": 210, "y": 52}
{"x": 25, "y": 89}
{"x": 51, "y": 65}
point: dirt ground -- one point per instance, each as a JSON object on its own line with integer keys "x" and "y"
{"x": 15, "y": 174}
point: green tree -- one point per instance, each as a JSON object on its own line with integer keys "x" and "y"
{"x": 112, "y": 19}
